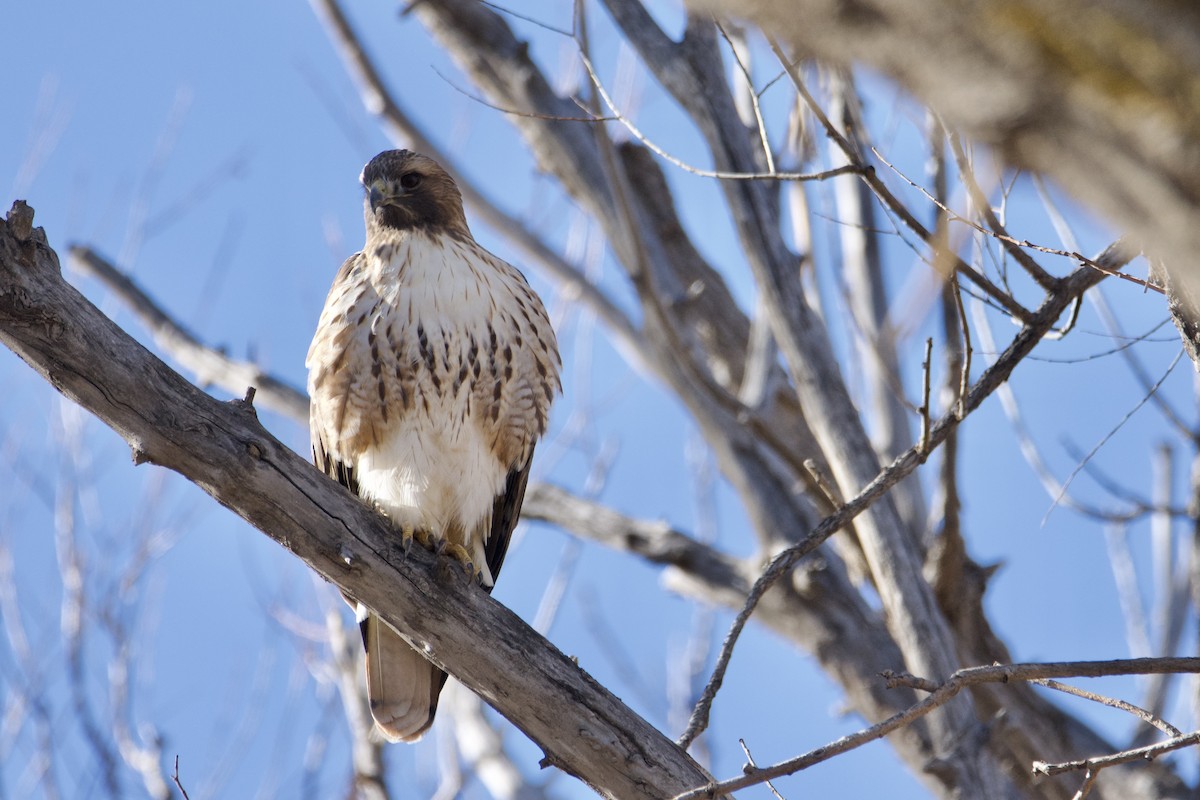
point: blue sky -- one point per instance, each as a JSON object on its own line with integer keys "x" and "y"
{"x": 212, "y": 151}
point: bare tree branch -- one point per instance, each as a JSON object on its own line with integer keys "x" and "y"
{"x": 211, "y": 367}
{"x": 1141, "y": 713}
{"x": 1124, "y": 757}
{"x": 941, "y": 693}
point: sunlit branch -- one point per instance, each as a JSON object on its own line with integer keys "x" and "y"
{"x": 637, "y": 133}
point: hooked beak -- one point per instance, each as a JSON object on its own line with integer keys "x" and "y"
{"x": 382, "y": 193}
{"x": 376, "y": 196}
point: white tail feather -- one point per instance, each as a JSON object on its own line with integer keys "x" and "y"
{"x": 402, "y": 686}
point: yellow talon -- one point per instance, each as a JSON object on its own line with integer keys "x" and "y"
{"x": 456, "y": 552}
{"x": 406, "y": 536}
{"x": 409, "y": 533}
{"x": 459, "y": 554}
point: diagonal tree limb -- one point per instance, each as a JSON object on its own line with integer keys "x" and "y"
{"x": 221, "y": 447}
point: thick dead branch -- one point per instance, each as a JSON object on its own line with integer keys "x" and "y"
{"x": 221, "y": 447}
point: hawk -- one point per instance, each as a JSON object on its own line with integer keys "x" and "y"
{"x": 431, "y": 375}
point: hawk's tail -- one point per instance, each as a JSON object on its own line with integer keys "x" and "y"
{"x": 402, "y": 686}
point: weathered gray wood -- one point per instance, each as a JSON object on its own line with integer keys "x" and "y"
{"x": 582, "y": 728}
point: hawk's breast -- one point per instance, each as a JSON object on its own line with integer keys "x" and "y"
{"x": 432, "y": 376}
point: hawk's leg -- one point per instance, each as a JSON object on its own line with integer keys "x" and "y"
{"x": 458, "y": 553}
{"x": 408, "y": 533}
{"x": 425, "y": 539}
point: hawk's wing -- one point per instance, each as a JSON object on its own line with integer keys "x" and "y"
{"x": 329, "y": 347}
{"x": 340, "y": 471}
{"x": 505, "y": 511}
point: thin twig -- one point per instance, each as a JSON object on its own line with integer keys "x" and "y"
{"x": 1059, "y": 333}
{"x": 828, "y": 491}
{"x": 1120, "y": 424}
{"x": 956, "y": 217}
{"x": 1089, "y": 780}
{"x": 517, "y": 112}
{"x": 751, "y": 765}
{"x": 1138, "y": 368}
{"x": 1147, "y": 753}
{"x": 942, "y": 693}
{"x": 175, "y": 778}
{"x": 1113, "y": 702}
{"x": 1033, "y": 456}
{"x": 510, "y": 12}
{"x": 1118, "y": 490}
{"x": 758, "y": 116}
{"x": 849, "y": 169}
{"x": 924, "y": 446}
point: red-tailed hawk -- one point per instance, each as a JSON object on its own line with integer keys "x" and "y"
{"x": 431, "y": 375}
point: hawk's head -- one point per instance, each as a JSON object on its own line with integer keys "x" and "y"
{"x": 408, "y": 191}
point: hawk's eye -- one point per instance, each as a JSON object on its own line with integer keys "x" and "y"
{"x": 410, "y": 180}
